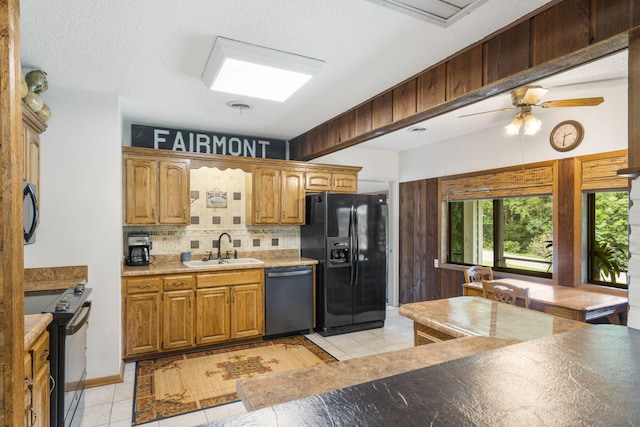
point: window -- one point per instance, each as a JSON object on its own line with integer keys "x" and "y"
{"x": 508, "y": 234}
{"x": 608, "y": 237}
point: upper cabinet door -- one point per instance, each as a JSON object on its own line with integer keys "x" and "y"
{"x": 174, "y": 192}
{"x": 292, "y": 196}
{"x": 318, "y": 181}
{"x": 344, "y": 183}
{"x": 156, "y": 192}
{"x": 266, "y": 196}
{"x": 141, "y": 184}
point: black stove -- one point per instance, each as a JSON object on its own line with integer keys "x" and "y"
{"x": 67, "y": 355}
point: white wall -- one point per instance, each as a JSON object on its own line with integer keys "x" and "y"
{"x": 380, "y": 171}
{"x": 81, "y": 210}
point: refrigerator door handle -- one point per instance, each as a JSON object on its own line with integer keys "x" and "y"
{"x": 354, "y": 246}
{"x": 351, "y": 246}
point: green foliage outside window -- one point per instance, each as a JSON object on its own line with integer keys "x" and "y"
{"x": 610, "y": 237}
{"x": 514, "y": 239}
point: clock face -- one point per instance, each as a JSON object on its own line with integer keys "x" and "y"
{"x": 566, "y": 135}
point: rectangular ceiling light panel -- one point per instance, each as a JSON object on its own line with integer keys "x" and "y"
{"x": 259, "y": 72}
{"x": 438, "y": 12}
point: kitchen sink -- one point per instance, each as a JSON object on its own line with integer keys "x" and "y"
{"x": 218, "y": 262}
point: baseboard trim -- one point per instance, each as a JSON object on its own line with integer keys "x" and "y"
{"x": 113, "y": 379}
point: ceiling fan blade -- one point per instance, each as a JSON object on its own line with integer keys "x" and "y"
{"x": 532, "y": 95}
{"x": 490, "y": 111}
{"x": 578, "y": 102}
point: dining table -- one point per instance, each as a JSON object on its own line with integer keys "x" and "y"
{"x": 564, "y": 301}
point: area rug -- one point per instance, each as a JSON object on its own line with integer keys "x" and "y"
{"x": 176, "y": 385}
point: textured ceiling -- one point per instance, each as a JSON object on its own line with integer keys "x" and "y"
{"x": 151, "y": 53}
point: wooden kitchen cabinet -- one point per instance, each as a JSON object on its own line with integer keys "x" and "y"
{"x": 278, "y": 196}
{"x": 173, "y": 192}
{"x": 230, "y": 305}
{"x": 37, "y": 390}
{"x": 28, "y": 388}
{"x": 335, "y": 182}
{"x": 141, "y": 324}
{"x": 178, "y": 311}
{"x": 156, "y": 191}
{"x": 32, "y": 128}
{"x": 188, "y": 311}
{"x": 247, "y": 311}
{"x": 213, "y": 308}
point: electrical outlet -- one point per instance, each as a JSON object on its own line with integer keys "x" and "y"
{"x": 436, "y": 263}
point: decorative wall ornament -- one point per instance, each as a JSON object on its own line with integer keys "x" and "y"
{"x": 216, "y": 199}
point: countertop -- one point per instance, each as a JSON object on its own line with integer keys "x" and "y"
{"x": 479, "y": 323}
{"x": 588, "y": 376}
{"x": 173, "y": 265}
{"x": 270, "y": 390}
{"x": 469, "y": 316}
{"x": 34, "y": 325}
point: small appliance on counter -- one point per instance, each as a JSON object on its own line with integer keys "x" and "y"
{"x": 138, "y": 249}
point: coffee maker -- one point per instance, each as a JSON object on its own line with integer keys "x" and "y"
{"x": 138, "y": 248}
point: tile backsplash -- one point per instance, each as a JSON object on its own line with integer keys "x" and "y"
{"x": 218, "y": 205}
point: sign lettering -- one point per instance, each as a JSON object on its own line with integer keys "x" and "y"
{"x": 195, "y": 141}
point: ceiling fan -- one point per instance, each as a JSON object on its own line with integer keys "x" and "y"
{"x": 525, "y": 98}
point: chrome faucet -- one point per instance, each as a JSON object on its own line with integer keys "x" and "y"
{"x": 220, "y": 244}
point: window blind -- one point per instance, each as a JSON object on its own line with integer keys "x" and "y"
{"x": 513, "y": 182}
{"x": 601, "y": 173}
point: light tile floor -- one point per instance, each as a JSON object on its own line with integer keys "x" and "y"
{"x": 112, "y": 405}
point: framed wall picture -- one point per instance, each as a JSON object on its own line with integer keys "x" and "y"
{"x": 216, "y": 199}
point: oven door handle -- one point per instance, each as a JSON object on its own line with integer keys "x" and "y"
{"x": 82, "y": 318}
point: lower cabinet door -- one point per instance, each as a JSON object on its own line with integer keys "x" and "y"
{"x": 143, "y": 323}
{"x": 213, "y": 315}
{"x": 177, "y": 321}
{"x": 247, "y": 311}
{"x": 40, "y": 402}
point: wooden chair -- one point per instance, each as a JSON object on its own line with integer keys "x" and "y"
{"x": 504, "y": 292}
{"x": 478, "y": 273}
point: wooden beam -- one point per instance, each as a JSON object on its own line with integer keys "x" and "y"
{"x": 11, "y": 246}
{"x": 559, "y": 36}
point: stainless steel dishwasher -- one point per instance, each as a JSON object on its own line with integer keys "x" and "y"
{"x": 289, "y": 300}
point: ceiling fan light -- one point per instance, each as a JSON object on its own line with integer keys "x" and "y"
{"x": 514, "y": 127}
{"x": 531, "y": 125}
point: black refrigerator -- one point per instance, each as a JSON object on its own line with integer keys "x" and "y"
{"x": 347, "y": 234}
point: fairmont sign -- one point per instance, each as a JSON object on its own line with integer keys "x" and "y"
{"x": 195, "y": 141}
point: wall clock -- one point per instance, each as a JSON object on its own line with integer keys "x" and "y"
{"x": 566, "y": 135}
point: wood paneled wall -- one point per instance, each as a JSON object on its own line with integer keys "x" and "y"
{"x": 419, "y": 245}
{"x": 559, "y": 36}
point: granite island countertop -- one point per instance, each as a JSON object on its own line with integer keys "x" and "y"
{"x": 477, "y": 316}
{"x": 173, "y": 265}
{"x": 34, "y": 326}
{"x": 262, "y": 392}
{"x": 587, "y": 376}
{"x": 479, "y": 325}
